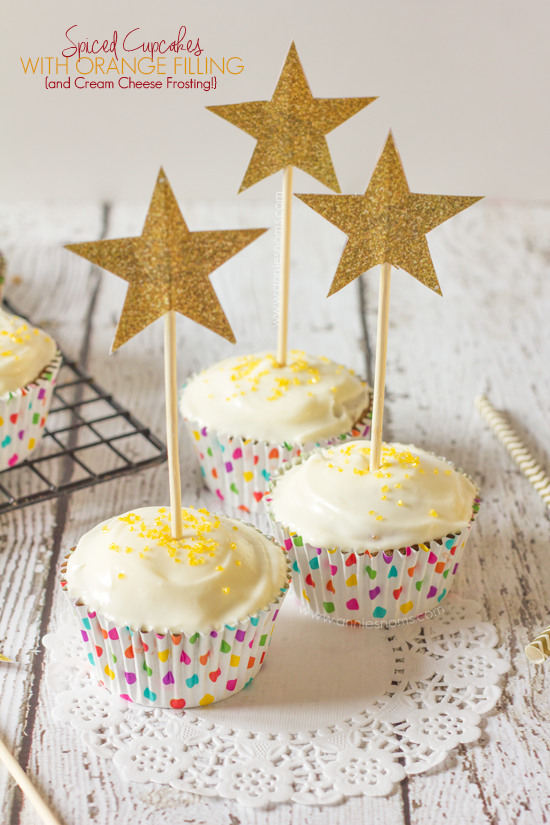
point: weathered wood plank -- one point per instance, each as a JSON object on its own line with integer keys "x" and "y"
{"x": 28, "y": 237}
{"x": 488, "y": 334}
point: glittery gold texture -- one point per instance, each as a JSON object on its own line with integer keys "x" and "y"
{"x": 167, "y": 267}
{"x": 388, "y": 223}
{"x": 291, "y": 127}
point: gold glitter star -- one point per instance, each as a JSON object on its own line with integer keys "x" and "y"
{"x": 388, "y": 223}
{"x": 167, "y": 267}
{"x": 291, "y": 127}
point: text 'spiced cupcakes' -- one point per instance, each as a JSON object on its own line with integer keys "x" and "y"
{"x": 175, "y": 623}
{"x": 372, "y": 547}
{"x": 29, "y": 364}
{"x": 246, "y": 416}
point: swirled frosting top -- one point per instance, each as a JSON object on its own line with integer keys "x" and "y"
{"x": 130, "y": 569}
{"x": 24, "y": 352}
{"x": 333, "y": 500}
{"x": 251, "y": 396}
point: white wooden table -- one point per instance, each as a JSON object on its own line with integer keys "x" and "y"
{"x": 490, "y": 333}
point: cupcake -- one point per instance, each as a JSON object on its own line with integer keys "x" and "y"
{"x": 29, "y": 364}
{"x": 375, "y": 548}
{"x": 175, "y": 623}
{"x": 246, "y": 416}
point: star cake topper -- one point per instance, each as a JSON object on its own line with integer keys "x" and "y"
{"x": 167, "y": 267}
{"x": 290, "y": 128}
{"x": 388, "y": 224}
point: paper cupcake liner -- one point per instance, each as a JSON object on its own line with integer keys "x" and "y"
{"x": 177, "y": 670}
{"x": 23, "y": 415}
{"x": 378, "y": 590}
{"x": 237, "y": 470}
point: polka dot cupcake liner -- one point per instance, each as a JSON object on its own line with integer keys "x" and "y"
{"x": 23, "y": 415}
{"x": 237, "y": 470}
{"x": 175, "y": 670}
{"x": 374, "y": 590}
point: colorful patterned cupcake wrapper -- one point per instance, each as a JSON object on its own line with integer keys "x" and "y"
{"x": 373, "y": 590}
{"x": 23, "y": 415}
{"x": 237, "y": 470}
{"x": 177, "y": 670}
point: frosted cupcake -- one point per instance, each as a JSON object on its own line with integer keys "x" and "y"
{"x": 372, "y": 547}
{"x": 29, "y": 364}
{"x": 171, "y": 623}
{"x": 246, "y": 416}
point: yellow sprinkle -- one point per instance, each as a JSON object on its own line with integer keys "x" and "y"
{"x": 225, "y": 589}
{"x": 237, "y": 561}
{"x": 371, "y": 512}
{"x": 383, "y": 498}
{"x": 212, "y": 555}
{"x": 447, "y": 472}
{"x": 436, "y": 470}
{"x": 433, "y": 513}
{"x": 121, "y": 575}
{"x": 129, "y": 549}
{"x": 141, "y": 556}
{"x": 104, "y": 529}
{"x": 406, "y": 476}
{"x": 235, "y": 528}
{"x": 400, "y": 502}
{"x": 340, "y": 470}
{"x": 421, "y": 470}
{"x": 233, "y": 546}
{"x": 219, "y": 568}
{"x": 114, "y": 547}
{"x": 385, "y": 488}
{"x": 178, "y": 560}
{"x": 378, "y": 518}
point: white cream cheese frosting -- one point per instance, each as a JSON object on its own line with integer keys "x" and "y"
{"x": 131, "y": 570}
{"x": 333, "y": 500}
{"x": 251, "y": 396}
{"x": 24, "y": 352}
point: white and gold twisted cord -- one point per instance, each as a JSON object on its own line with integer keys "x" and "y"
{"x": 517, "y": 449}
{"x": 538, "y": 650}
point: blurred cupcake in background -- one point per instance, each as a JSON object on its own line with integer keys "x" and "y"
{"x": 29, "y": 365}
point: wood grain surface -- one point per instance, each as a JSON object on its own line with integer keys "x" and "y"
{"x": 490, "y": 333}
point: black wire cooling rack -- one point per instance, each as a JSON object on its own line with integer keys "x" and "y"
{"x": 89, "y": 438}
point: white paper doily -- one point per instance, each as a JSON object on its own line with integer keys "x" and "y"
{"x": 335, "y": 712}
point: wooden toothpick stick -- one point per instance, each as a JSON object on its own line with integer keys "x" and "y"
{"x": 27, "y": 787}
{"x": 380, "y": 369}
{"x": 285, "y": 267}
{"x": 171, "y": 388}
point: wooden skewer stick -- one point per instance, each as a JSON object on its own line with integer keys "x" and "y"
{"x": 171, "y": 389}
{"x": 27, "y": 787}
{"x": 380, "y": 368}
{"x": 285, "y": 267}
